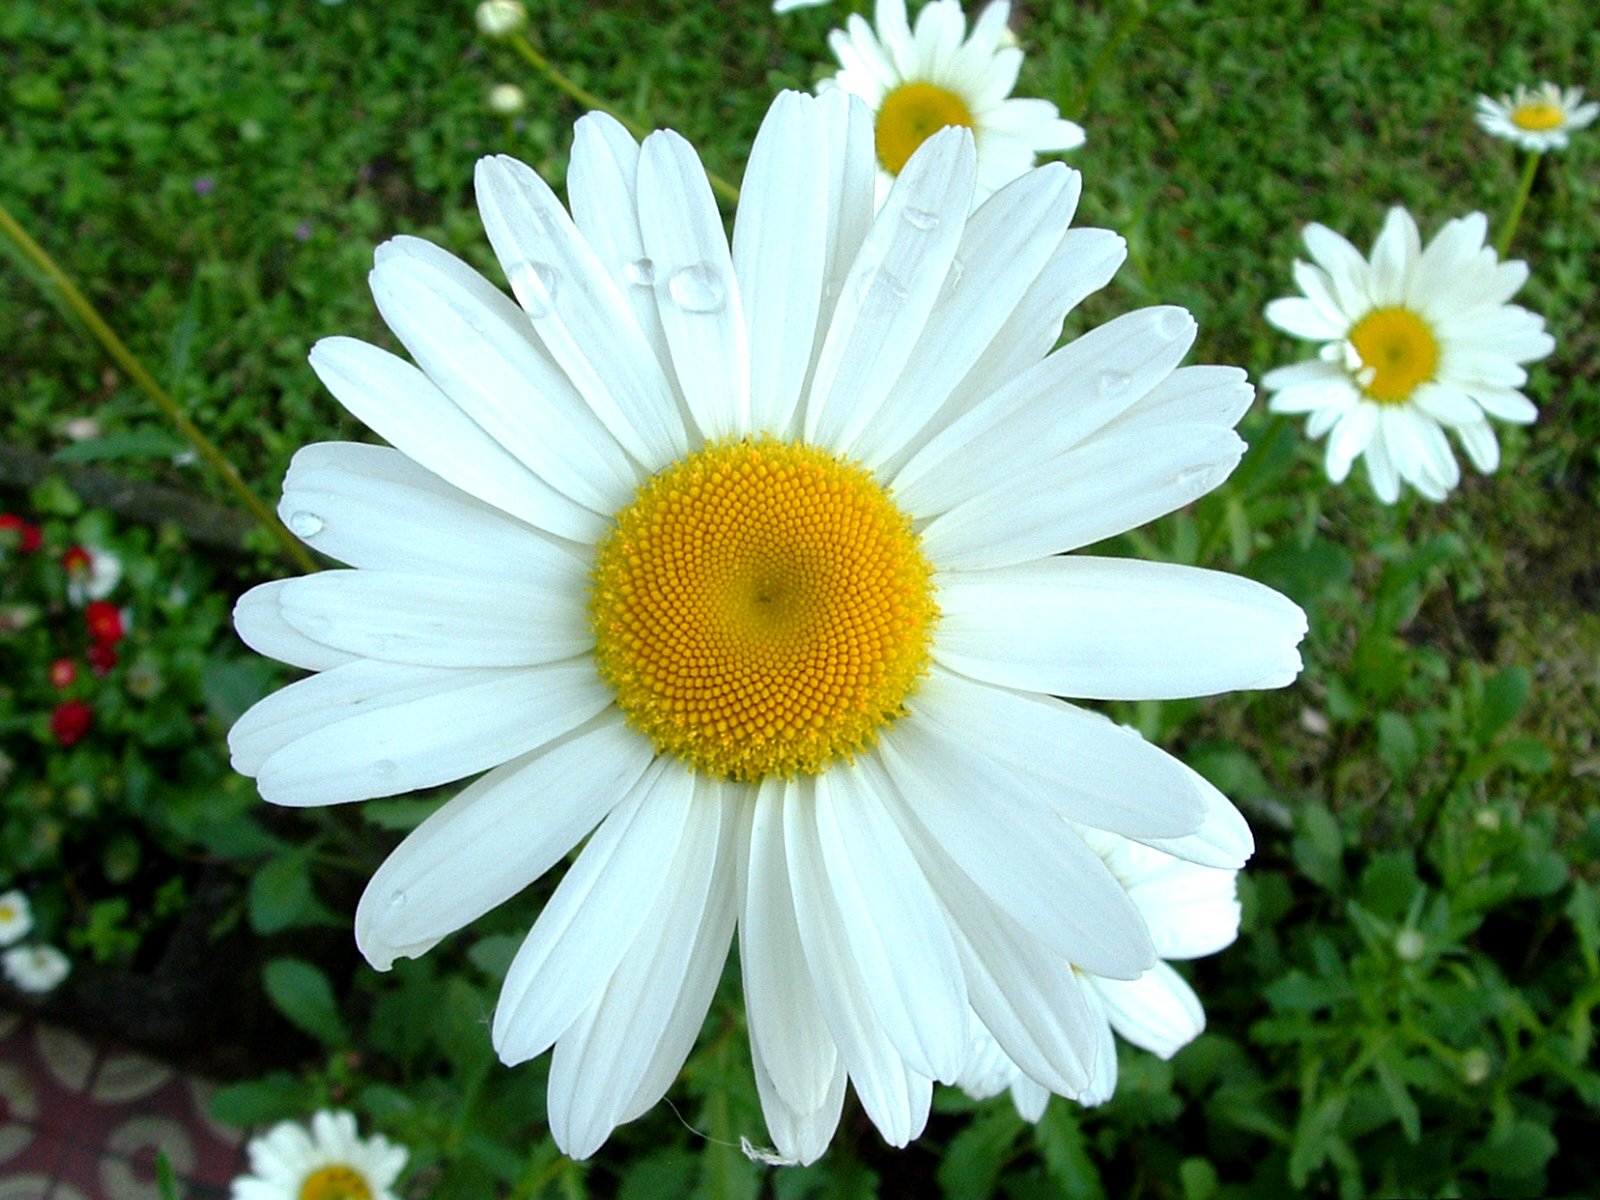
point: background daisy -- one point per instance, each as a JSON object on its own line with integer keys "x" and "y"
{"x": 1414, "y": 341}
{"x": 918, "y": 81}
{"x": 328, "y": 1161}
{"x": 1537, "y": 119}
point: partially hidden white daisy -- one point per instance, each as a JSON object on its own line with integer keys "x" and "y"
{"x": 36, "y": 969}
{"x": 16, "y": 917}
{"x": 1191, "y": 910}
{"x": 94, "y": 576}
{"x": 330, "y": 1161}
{"x": 1537, "y": 119}
{"x": 920, "y": 81}
{"x": 783, "y": 6}
{"x": 1414, "y": 341}
{"x": 749, "y": 563}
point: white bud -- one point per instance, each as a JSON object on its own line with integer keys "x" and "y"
{"x": 501, "y": 18}
{"x": 507, "y": 99}
{"x": 1409, "y": 945}
{"x": 1475, "y": 1066}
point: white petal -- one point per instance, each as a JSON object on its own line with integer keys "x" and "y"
{"x": 1093, "y": 770}
{"x": 402, "y": 405}
{"x": 583, "y": 320}
{"x": 1030, "y": 1098}
{"x": 891, "y": 289}
{"x": 494, "y": 838}
{"x": 1303, "y": 318}
{"x": 1477, "y": 440}
{"x": 594, "y": 915}
{"x": 1158, "y": 1012}
{"x": 259, "y": 622}
{"x": 1117, "y": 629}
{"x": 852, "y": 166}
{"x": 1504, "y": 404}
{"x": 463, "y": 721}
{"x": 1003, "y": 835}
{"x": 436, "y": 621}
{"x": 1381, "y": 470}
{"x": 373, "y": 507}
{"x": 600, "y": 1063}
{"x": 1398, "y": 247}
{"x": 1223, "y": 839}
{"x": 701, "y": 310}
{"x": 801, "y": 1136}
{"x": 779, "y": 255}
{"x": 1103, "y": 1081}
{"x": 1349, "y": 438}
{"x": 1348, "y": 272}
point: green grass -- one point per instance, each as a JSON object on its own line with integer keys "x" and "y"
{"x": 1219, "y": 130}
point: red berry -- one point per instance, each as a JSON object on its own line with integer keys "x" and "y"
{"x": 104, "y": 620}
{"x": 71, "y": 721}
{"x": 101, "y": 657}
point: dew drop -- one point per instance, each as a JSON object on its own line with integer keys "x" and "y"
{"x": 698, "y": 289}
{"x": 953, "y": 279}
{"x": 305, "y": 524}
{"x": 921, "y": 218}
{"x": 535, "y": 284}
{"x": 1113, "y": 384}
{"x": 397, "y": 899}
{"x": 641, "y": 272}
{"x": 385, "y": 768}
{"x": 1173, "y": 323}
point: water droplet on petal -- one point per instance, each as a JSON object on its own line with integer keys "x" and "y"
{"x": 397, "y": 899}
{"x": 385, "y": 768}
{"x": 305, "y": 524}
{"x": 1113, "y": 384}
{"x": 698, "y": 289}
{"x": 535, "y": 284}
{"x": 641, "y": 272}
{"x": 953, "y": 279}
{"x": 921, "y": 218}
{"x": 1172, "y": 324}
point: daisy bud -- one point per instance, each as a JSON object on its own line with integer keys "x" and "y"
{"x": 1475, "y": 1066}
{"x": 1409, "y": 945}
{"x": 507, "y": 99}
{"x": 501, "y": 18}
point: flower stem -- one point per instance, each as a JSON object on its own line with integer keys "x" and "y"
{"x": 520, "y": 43}
{"x": 1524, "y": 187}
{"x": 119, "y": 353}
{"x": 1131, "y": 17}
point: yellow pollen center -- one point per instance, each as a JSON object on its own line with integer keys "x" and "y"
{"x": 910, "y": 115}
{"x": 761, "y": 607}
{"x": 1538, "y": 116}
{"x": 1399, "y": 350}
{"x": 335, "y": 1183}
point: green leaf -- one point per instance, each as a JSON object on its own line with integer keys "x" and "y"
{"x": 1312, "y": 1138}
{"x": 1397, "y": 744}
{"x": 975, "y": 1156}
{"x": 402, "y": 815}
{"x": 1199, "y": 1179}
{"x": 302, "y": 993}
{"x": 1318, "y": 847}
{"x": 139, "y": 444}
{"x": 281, "y": 895}
{"x": 1400, "y": 1101}
{"x": 1065, "y": 1151}
{"x": 261, "y": 1101}
{"x": 1505, "y": 695}
{"x": 1583, "y": 910}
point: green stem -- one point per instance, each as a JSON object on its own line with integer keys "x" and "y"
{"x": 520, "y": 43}
{"x": 119, "y": 353}
{"x": 1132, "y": 16}
{"x": 1524, "y": 187}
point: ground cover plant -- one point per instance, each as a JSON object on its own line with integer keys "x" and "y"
{"x": 1408, "y": 1008}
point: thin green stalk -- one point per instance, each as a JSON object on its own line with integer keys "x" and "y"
{"x": 119, "y": 353}
{"x": 1524, "y": 187}
{"x": 520, "y": 43}
{"x": 1132, "y": 16}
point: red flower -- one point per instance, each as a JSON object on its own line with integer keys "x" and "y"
{"x": 71, "y": 721}
{"x": 101, "y": 657}
{"x": 28, "y": 536}
{"x": 105, "y": 622}
{"x": 76, "y": 561}
{"x": 63, "y": 671}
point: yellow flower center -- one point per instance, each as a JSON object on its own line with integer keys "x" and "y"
{"x": 761, "y": 608}
{"x": 1398, "y": 349}
{"x": 335, "y": 1183}
{"x": 910, "y": 115}
{"x": 1538, "y": 116}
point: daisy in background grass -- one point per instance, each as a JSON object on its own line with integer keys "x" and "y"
{"x": 331, "y": 1161}
{"x": 746, "y": 564}
{"x": 1414, "y": 342}
{"x": 919, "y": 81}
{"x": 36, "y": 969}
{"x": 1537, "y": 119}
{"x": 1191, "y": 910}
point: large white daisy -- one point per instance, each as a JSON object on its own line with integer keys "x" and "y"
{"x": 1191, "y": 910}
{"x": 745, "y": 561}
{"x": 1414, "y": 341}
{"x": 1537, "y": 119}
{"x": 920, "y": 81}
{"x": 330, "y": 1161}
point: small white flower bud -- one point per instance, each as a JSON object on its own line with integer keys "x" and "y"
{"x": 1409, "y": 945}
{"x": 1487, "y": 820}
{"x": 506, "y": 99}
{"x": 1475, "y": 1066}
{"x": 501, "y": 18}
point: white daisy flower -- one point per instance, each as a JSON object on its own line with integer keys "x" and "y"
{"x": 35, "y": 969}
{"x": 16, "y": 917}
{"x": 96, "y": 579}
{"x": 920, "y": 81}
{"x": 1537, "y": 119}
{"x": 749, "y": 559}
{"x": 783, "y": 6}
{"x": 1414, "y": 341}
{"x": 330, "y": 1162}
{"x": 1191, "y": 910}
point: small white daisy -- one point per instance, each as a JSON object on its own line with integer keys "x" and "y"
{"x": 1537, "y": 119}
{"x": 36, "y": 969}
{"x": 96, "y": 579}
{"x": 16, "y": 917}
{"x": 750, "y": 561}
{"x": 1414, "y": 341}
{"x": 330, "y": 1162}
{"x": 920, "y": 81}
{"x": 1191, "y": 910}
